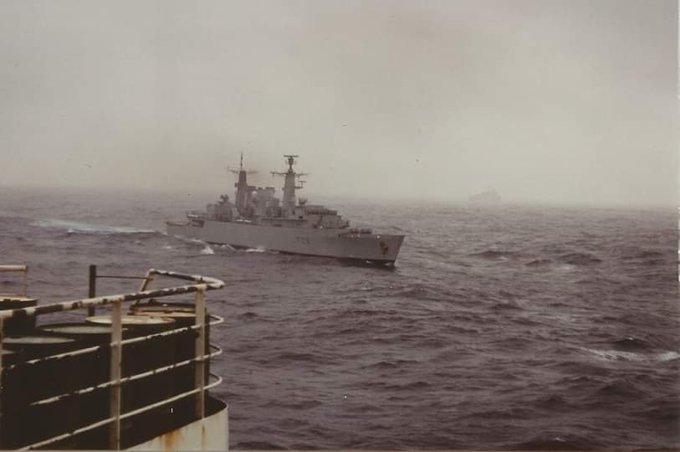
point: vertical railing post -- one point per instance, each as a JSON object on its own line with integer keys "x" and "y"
{"x": 116, "y": 356}
{"x": 92, "y": 288}
{"x": 147, "y": 280}
{"x": 199, "y": 376}
{"x": 25, "y": 281}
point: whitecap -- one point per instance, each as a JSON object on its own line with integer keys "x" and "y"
{"x": 207, "y": 250}
{"x": 615, "y": 355}
{"x": 668, "y": 356}
{"x": 259, "y": 249}
{"x": 75, "y": 227}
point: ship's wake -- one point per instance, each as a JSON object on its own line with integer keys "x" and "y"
{"x": 207, "y": 250}
{"x": 259, "y": 249}
{"x": 76, "y": 227}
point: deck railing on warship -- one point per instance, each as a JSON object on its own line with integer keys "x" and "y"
{"x": 198, "y": 285}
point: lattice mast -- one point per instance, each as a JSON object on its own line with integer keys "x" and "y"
{"x": 290, "y": 184}
{"x": 243, "y": 190}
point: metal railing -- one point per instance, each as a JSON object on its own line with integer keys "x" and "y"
{"x": 19, "y": 269}
{"x": 199, "y": 286}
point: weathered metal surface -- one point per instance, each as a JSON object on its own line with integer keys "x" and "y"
{"x": 13, "y": 268}
{"x": 200, "y": 286}
{"x": 217, "y": 320}
{"x": 116, "y": 367}
{"x": 129, "y": 320}
{"x": 135, "y": 377}
{"x": 204, "y": 284}
{"x": 127, "y": 415}
{"x": 209, "y": 433}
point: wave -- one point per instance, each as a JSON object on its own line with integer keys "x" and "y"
{"x": 188, "y": 240}
{"x": 668, "y": 356}
{"x": 494, "y": 254}
{"x": 619, "y": 355}
{"x": 630, "y": 344}
{"x": 505, "y": 305}
{"x": 294, "y": 405}
{"x": 580, "y": 259}
{"x": 546, "y": 442}
{"x": 286, "y": 357}
{"x": 538, "y": 262}
{"x": 650, "y": 254}
{"x": 75, "y": 227}
{"x": 261, "y": 445}
{"x": 259, "y": 249}
{"x": 615, "y": 355}
{"x": 620, "y": 389}
{"x": 388, "y": 364}
{"x": 407, "y": 386}
{"x": 247, "y": 316}
{"x": 552, "y": 402}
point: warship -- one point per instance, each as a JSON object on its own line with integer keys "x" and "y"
{"x": 258, "y": 219}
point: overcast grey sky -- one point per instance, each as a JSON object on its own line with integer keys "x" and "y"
{"x": 545, "y": 100}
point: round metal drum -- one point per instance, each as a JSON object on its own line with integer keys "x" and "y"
{"x": 24, "y": 383}
{"x": 94, "y": 366}
{"x": 135, "y": 325}
{"x": 184, "y": 316}
{"x": 8, "y": 357}
{"x": 163, "y": 307}
{"x": 86, "y": 332}
{"x": 36, "y": 346}
{"x": 22, "y": 324}
{"x": 29, "y": 376}
{"x": 144, "y": 356}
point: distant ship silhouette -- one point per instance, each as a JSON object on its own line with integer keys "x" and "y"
{"x": 488, "y": 196}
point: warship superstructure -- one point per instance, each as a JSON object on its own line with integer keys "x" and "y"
{"x": 258, "y": 219}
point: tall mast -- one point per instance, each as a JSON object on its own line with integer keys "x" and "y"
{"x": 243, "y": 190}
{"x": 289, "y": 185}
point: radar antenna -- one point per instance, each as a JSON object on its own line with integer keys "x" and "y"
{"x": 240, "y": 168}
{"x": 290, "y": 185}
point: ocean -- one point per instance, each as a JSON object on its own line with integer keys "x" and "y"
{"x": 501, "y": 327}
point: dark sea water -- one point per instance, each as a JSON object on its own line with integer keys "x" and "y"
{"x": 503, "y": 327}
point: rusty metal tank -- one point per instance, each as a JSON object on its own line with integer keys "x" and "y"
{"x": 184, "y": 315}
{"x": 25, "y": 383}
{"x": 144, "y": 356}
{"x": 94, "y": 367}
{"x": 18, "y": 325}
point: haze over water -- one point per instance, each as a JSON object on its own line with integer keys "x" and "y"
{"x": 562, "y": 101}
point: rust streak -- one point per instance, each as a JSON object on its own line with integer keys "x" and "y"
{"x": 171, "y": 440}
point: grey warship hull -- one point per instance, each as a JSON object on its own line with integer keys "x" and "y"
{"x": 343, "y": 244}
{"x": 258, "y": 219}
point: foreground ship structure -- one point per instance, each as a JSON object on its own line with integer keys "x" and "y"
{"x": 135, "y": 376}
{"x": 257, "y": 219}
